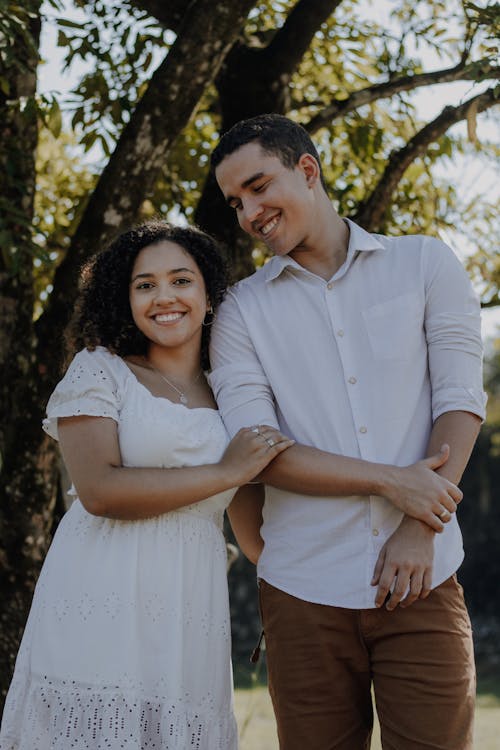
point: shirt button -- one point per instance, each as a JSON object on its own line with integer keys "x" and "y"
{"x": 363, "y": 430}
{"x": 352, "y": 380}
{"x": 340, "y": 332}
{"x": 375, "y": 532}
{"x": 329, "y": 285}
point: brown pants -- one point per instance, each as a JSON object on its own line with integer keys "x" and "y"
{"x": 322, "y": 662}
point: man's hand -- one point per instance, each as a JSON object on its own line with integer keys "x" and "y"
{"x": 405, "y": 560}
{"x": 420, "y": 492}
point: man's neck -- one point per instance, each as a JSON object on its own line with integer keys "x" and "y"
{"x": 327, "y": 250}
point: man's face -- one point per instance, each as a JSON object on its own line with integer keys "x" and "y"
{"x": 274, "y": 204}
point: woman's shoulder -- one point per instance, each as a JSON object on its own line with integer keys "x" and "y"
{"x": 93, "y": 385}
{"x": 97, "y": 363}
{"x": 95, "y": 356}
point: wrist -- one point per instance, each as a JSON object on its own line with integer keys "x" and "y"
{"x": 388, "y": 482}
{"x": 417, "y": 525}
{"x": 228, "y": 476}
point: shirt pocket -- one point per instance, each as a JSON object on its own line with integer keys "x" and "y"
{"x": 395, "y": 327}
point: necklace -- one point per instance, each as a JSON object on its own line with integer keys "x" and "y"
{"x": 182, "y": 395}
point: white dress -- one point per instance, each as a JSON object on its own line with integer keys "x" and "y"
{"x": 127, "y": 644}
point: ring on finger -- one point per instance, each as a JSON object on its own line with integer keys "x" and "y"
{"x": 444, "y": 515}
{"x": 270, "y": 442}
{"x": 256, "y": 429}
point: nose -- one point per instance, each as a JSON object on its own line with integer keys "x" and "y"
{"x": 252, "y": 209}
{"x": 165, "y": 294}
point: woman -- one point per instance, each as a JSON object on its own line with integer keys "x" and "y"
{"x": 128, "y": 643}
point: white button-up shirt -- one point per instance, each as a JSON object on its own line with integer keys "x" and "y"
{"x": 360, "y": 365}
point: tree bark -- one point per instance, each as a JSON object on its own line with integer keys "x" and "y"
{"x": 169, "y": 14}
{"x": 29, "y": 476}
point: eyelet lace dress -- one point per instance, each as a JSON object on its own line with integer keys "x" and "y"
{"x": 127, "y": 644}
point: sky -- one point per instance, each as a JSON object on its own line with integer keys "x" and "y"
{"x": 429, "y": 102}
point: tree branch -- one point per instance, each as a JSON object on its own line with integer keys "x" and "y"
{"x": 292, "y": 40}
{"x": 475, "y": 71}
{"x": 207, "y": 32}
{"x": 493, "y": 302}
{"x": 169, "y": 14}
{"x": 255, "y": 79}
{"x": 370, "y": 213}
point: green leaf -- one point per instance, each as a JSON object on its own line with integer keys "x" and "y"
{"x": 89, "y": 139}
{"x": 54, "y": 119}
{"x": 71, "y": 24}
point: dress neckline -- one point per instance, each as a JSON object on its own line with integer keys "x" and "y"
{"x": 131, "y": 373}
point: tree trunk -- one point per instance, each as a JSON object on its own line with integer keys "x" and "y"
{"x": 29, "y": 477}
{"x": 247, "y": 87}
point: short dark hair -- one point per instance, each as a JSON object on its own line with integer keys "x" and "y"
{"x": 102, "y": 315}
{"x": 276, "y": 134}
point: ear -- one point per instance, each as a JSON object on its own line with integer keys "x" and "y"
{"x": 310, "y": 167}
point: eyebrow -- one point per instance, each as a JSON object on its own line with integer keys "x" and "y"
{"x": 245, "y": 184}
{"x": 151, "y": 275}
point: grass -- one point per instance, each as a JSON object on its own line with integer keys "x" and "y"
{"x": 257, "y": 727}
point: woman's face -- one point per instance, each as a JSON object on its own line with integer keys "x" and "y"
{"x": 168, "y": 297}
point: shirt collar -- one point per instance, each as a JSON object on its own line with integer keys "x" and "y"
{"x": 359, "y": 241}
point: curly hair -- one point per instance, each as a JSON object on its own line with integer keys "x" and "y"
{"x": 102, "y": 314}
{"x": 277, "y": 136}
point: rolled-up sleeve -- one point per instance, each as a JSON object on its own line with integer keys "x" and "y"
{"x": 453, "y": 332}
{"x": 237, "y": 379}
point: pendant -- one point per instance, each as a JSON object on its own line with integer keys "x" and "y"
{"x": 183, "y": 399}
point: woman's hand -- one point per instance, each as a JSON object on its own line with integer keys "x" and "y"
{"x": 421, "y": 493}
{"x": 108, "y": 489}
{"x": 250, "y": 451}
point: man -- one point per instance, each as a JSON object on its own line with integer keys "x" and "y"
{"x": 361, "y": 346}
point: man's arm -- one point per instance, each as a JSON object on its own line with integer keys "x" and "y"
{"x": 406, "y": 558}
{"x": 453, "y": 333}
{"x": 460, "y": 430}
{"x": 417, "y": 490}
{"x": 245, "y": 398}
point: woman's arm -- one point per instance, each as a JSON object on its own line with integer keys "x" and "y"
{"x": 91, "y": 453}
{"x": 245, "y": 515}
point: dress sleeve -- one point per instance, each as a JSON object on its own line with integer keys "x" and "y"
{"x": 90, "y": 387}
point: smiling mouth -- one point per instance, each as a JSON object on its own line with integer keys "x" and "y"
{"x": 168, "y": 317}
{"x": 268, "y": 227}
